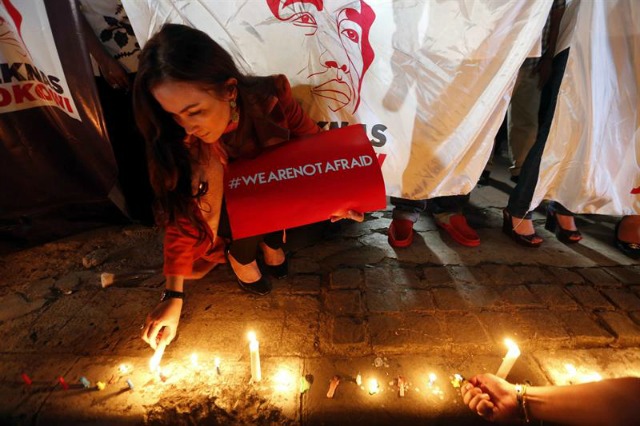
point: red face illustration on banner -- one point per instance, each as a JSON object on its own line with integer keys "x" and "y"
{"x": 11, "y": 45}
{"x": 340, "y": 29}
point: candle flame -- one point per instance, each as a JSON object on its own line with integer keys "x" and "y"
{"x": 513, "y": 348}
{"x": 373, "y": 386}
{"x": 194, "y": 359}
{"x": 216, "y": 362}
{"x": 571, "y": 369}
{"x": 124, "y": 368}
{"x": 252, "y": 336}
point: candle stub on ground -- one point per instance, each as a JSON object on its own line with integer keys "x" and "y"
{"x": 333, "y": 384}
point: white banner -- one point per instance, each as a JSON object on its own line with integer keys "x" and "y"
{"x": 30, "y": 71}
{"x": 591, "y": 162}
{"x": 430, "y": 80}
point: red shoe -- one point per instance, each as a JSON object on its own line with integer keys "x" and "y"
{"x": 400, "y": 233}
{"x": 460, "y": 230}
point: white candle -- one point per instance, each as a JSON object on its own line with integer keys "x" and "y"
{"x": 510, "y": 358}
{"x": 254, "y": 351}
{"x": 432, "y": 379}
{"x": 374, "y": 388}
{"x": 217, "y": 364}
{"x": 154, "y": 363}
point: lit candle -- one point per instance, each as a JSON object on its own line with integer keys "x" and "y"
{"x": 154, "y": 362}
{"x": 401, "y": 385}
{"x": 432, "y": 379}
{"x": 101, "y": 385}
{"x": 124, "y": 369}
{"x": 254, "y": 351}
{"x": 510, "y": 358}
{"x": 217, "y": 364}
{"x": 130, "y": 384}
{"x": 374, "y": 387}
{"x": 194, "y": 360}
{"x": 358, "y": 379}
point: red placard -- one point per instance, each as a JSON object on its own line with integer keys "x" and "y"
{"x": 304, "y": 181}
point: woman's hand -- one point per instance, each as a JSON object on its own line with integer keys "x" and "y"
{"x": 349, "y": 214}
{"x": 491, "y": 397}
{"x": 162, "y": 323}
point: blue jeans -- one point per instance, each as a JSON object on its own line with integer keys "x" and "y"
{"x": 522, "y": 194}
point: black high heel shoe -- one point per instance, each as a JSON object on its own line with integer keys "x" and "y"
{"x": 261, "y": 287}
{"x": 525, "y": 240}
{"x": 565, "y": 235}
{"x": 630, "y": 249}
{"x": 279, "y": 271}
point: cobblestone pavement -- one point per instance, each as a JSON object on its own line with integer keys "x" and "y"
{"x": 351, "y": 305}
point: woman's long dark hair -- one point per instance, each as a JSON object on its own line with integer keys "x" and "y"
{"x": 177, "y": 53}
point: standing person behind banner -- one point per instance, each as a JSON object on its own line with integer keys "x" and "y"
{"x": 517, "y": 221}
{"x": 198, "y": 112}
{"x": 115, "y": 49}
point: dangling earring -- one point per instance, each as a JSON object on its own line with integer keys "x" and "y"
{"x": 235, "y": 116}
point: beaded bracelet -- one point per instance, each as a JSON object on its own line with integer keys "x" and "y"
{"x": 521, "y": 398}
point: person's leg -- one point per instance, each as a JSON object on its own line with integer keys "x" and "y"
{"x": 523, "y": 118}
{"x": 519, "y": 204}
{"x": 272, "y": 249}
{"x": 560, "y": 221}
{"x": 627, "y": 235}
{"x": 405, "y": 214}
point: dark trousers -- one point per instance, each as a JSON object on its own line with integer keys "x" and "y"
{"x": 245, "y": 250}
{"x": 411, "y": 209}
{"x": 521, "y": 196}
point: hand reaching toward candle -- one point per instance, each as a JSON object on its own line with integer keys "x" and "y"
{"x": 162, "y": 323}
{"x": 610, "y": 401}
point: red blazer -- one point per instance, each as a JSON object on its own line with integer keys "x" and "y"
{"x": 269, "y": 116}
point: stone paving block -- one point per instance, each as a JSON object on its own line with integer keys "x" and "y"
{"x": 305, "y": 284}
{"x": 303, "y": 265}
{"x": 599, "y": 277}
{"x": 589, "y": 297}
{"x": 299, "y": 338}
{"x": 479, "y": 296}
{"x": 468, "y": 274}
{"x": 343, "y": 302}
{"x": 585, "y": 332}
{"x": 466, "y": 331}
{"x": 519, "y": 297}
{"x": 625, "y": 329}
{"x": 532, "y": 328}
{"x": 390, "y": 278}
{"x": 503, "y": 275}
{"x": 397, "y": 333}
{"x": 346, "y": 278}
{"x": 533, "y": 274}
{"x": 553, "y": 296}
{"x": 450, "y": 299}
{"x": 565, "y": 275}
{"x": 625, "y": 274}
{"x": 367, "y": 255}
{"x": 436, "y": 276}
{"x": 383, "y": 301}
{"x": 623, "y": 298}
{"x": 416, "y": 300}
{"x": 348, "y": 329}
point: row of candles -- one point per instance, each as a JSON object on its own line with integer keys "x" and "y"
{"x": 373, "y": 387}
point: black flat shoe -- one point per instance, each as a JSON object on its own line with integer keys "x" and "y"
{"x": 261, "y": 287}
{"x": 565, "y": 235}
{"x": 278, "y": 271}
{"x": 630, "y": 249}
{"x": 524, "y": 240}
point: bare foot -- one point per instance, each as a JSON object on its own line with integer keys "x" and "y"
{"x": 524, "y": 227}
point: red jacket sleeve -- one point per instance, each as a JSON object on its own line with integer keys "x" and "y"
{"x": 180, "y": 250}
{"x": 300, "y": 123}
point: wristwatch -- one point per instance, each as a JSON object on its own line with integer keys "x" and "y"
{"x": 170, "y": 294}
